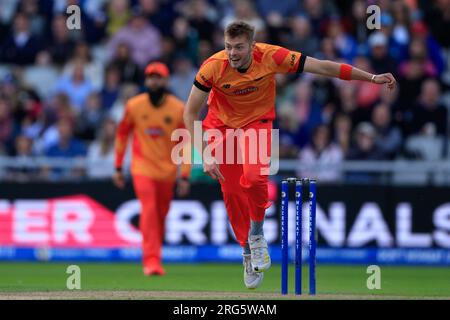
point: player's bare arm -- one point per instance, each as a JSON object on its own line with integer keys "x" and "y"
{"x": 346, "y": 72}
{"x": 195, "y": 102}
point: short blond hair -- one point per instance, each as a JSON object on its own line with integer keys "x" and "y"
{"x": 239, "y": 28}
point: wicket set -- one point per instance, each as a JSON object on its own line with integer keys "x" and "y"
{"x": 299, "y": 184}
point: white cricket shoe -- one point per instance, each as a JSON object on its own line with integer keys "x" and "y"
{"x": 260, "y": 254}
{"x": 252, "y": 279}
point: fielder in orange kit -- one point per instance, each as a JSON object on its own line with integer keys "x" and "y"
{"x": 151, "y": 118}
{"x": 240, "y": 82}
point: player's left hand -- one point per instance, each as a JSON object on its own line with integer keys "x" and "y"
{"x": 183, "y": 187}
{"x": 385, "y": 78}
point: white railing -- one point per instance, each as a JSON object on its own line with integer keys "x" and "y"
{"x": 434, "y": 172}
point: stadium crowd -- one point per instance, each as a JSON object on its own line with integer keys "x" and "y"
{"x": 63, "y": 91}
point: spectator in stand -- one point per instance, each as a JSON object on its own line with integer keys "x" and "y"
{"x": 414, "y": 72}
{"x": 160, "y": 13}
{"x": 126, "y": 92}
{"x": 343, "y": 42}
{"x": 185, "y": 38}
{"x": 342, "y": 130}
{"x": 93, "y": 70}
{"x": 90, "y": 118}
{"x": 429, "y": 109}
{"x": 8, "y": 128}
{"x": 358, "y": 24}
{"x": 143, "y": 39}
{"x": 199, "y": 20}
{"x": 100, "y": 154}
{"x": 128, "y": 70}
{"x": 301, "y": 39}
{"x": 389, "y": 136}
{"x": 23, "y": 151}
{"x": 66, "y": 147}
{"x": 31, "y": 9}
{"x": 180, "y": 81}
{"x": 110, "y": 91}
{"x": 60, "y": 43}
{"x": 322, "y": 152}
{"x": 118, "y": 16}
{"x": 380, "y": 59}
{"x": 45, "y": 131}
{"x": 434, "y": 50}
{"x": 76, "y": 86}
{"x": 21, "y": 46}
{"x": 364, "y": 148}
{"x": 347, "y": 103}
{"x": 243, "y": 10}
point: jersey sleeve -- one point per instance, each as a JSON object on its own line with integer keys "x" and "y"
{"x": 123, "y": 131}
{"x": 286, "y": 61}
{"x": 205, "y": 76}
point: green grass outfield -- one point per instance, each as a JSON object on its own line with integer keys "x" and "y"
{"x": 214, "y": 281}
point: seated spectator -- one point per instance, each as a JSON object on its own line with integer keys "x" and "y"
{"x": 380, "y": 58}
{"x": 418, "y": 53}
{"x": 42, "y": 76}
{"x": 45, "y": 130}
{"x": 110, "y": 90}
{"x": 118, "y": 15}
{"x": 181, "y": 78}
{"x": 8, "y": 128}
{"x": 21, "y": 46}
{"x": 92, "y": 70}
{"x": 389, "y": 136}
{"x": 429, "y": 109}
{"x": 343, "y": 42}
{"x": 76, "y": 86}
{"x": 66, "y": 147}
{"x": 100, "y": 154}
{"x": 60, "y": 45}
{"x": 307, "y": 112}
{"x": 23, "y": 153}
{"x": 31, "y": 9}
{"x": 364, "y": 148}
{"x": 89, "y": 118}
{"x": 199, "y": 17}
{"x": 244, "y": 11}
{"x": 185, "y": 38}
{"x": 342, "y": 130}
{"x": 126, "y": 92}
{"x": 143, "y": 39}
{"x": 301, "y": 39}
{"x": 321, "y": 152}
{"x": 128, "y": 70}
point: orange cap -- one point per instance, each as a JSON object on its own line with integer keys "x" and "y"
{"x": 157, "y": 68}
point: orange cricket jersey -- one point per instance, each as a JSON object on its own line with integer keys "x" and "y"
{"x": 151, "y": 128}
{"x": 236, "y": 98}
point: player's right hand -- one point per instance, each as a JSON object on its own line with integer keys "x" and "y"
{"x": 213, "y": 171}
{"x": 119, "y": 179}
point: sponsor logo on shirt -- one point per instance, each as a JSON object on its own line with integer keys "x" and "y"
{"x": 292, "y": 60}
{"x": 245, "y": 91}
{"x": 154, "y": 132}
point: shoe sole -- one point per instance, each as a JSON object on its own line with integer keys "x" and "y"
{"x": 252, "y": 287}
